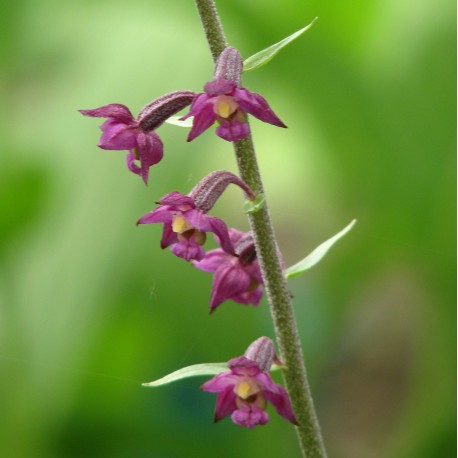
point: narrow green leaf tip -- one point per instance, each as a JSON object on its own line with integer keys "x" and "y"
{"x": 175, "y": 120}
{"x": 189, "y": 371}
{"x": 317, "y": 254}
{"x": 253, "y": 206}
{"x": 262, "y": 57}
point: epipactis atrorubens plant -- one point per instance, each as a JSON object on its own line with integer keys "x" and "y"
{"x": 245, "y": 262}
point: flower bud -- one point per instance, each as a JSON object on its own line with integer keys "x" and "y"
{"x": 209, "y": 189}
{"x": 158, "y": 111}
{"x": 261, "y": 351}
{"x": 229, "y": 66}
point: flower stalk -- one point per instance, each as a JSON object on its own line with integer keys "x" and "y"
{"x": 278, "y": 295}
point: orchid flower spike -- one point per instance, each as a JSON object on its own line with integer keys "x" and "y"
{"x": 121, "y": 131}
{"x": 225, "y": 101}
{"x": 245, "y": 390}
{"x": 185, "y": 216}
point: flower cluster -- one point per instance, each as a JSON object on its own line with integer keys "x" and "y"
{"x": 224, "y": 100}
{"x": 244, "y": 390}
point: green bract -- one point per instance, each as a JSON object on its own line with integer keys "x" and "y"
{"x": 189, "y": 371}
{"x": 253, "y": 206}
{"x": 317, "y": 254}
{"x": 176, "y": 121}
{"x": 262, "y": 57}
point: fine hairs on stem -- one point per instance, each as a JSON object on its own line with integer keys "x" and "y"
{"x": 279, "y": 298}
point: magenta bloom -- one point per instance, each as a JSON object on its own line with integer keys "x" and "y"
{"x": 228, "y": 103}
{"x": 121, "y": 131}
{"x": 224, "y": 102}
{"x": 244, "y": 390}
{"x": 237, "y": 275}
{"x": 185, "y": 226}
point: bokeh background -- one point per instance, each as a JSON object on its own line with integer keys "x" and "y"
{"x": 90, "y": 307}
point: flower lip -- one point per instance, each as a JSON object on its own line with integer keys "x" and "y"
{"x": 225, "y": 106}
{"x": 246, "y": 389}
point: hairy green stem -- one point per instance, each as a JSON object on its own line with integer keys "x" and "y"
{"x": 278, "y": 294}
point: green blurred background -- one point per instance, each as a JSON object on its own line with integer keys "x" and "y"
{"x": 91, "y": 307}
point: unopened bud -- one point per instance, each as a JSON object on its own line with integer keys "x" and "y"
{"x": 261, "y": 351}
{"x": 158, "y": 111}
{"x": 229, "y": 66}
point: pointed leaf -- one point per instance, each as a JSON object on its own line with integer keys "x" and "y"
{"x": 175, "y": 120}
{"x": 253, "y": 206}
{"x": 190, "y": 371}
{"x": 262, "y": 57}
{"x": 317, "y": 254}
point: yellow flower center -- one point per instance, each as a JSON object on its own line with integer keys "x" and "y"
{"x": 245, "y": 389}
{"x": 225, "y": 105}
{"x": 180, "y": 224}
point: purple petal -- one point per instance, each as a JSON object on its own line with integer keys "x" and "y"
{"x": 235, "y": 235}
{"x": 250, "y": 417}
{"x": 232, "y": 130}
{"x": 277, "y": 396}
{"x": 249, "y": 297}
{"x": 255, "y": 271}
{"x": 177, "y": 200}
{"x": 213, "y": 260}
{"x": 221, "y": 382}
{"x": 225, "y": 403}
{"x": 219, "y": 228}
{"x": 228, "y": 281}
{"x": 150, "y": 152}
{"x": 114, "y": 110}
{"x": 242, "y": 366}
{"x": 204, "y": 115}
{"x": 198, "y": 104}
{"x": 256, "y": 105}
{"x": 207, "y": 223}
{"x": 132, "y": 166}
{"x": 159, "y": 215}
{"x": 188, "y": 250}
{"x": 168, "y": 236}
{"x": 117, "y": 136}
